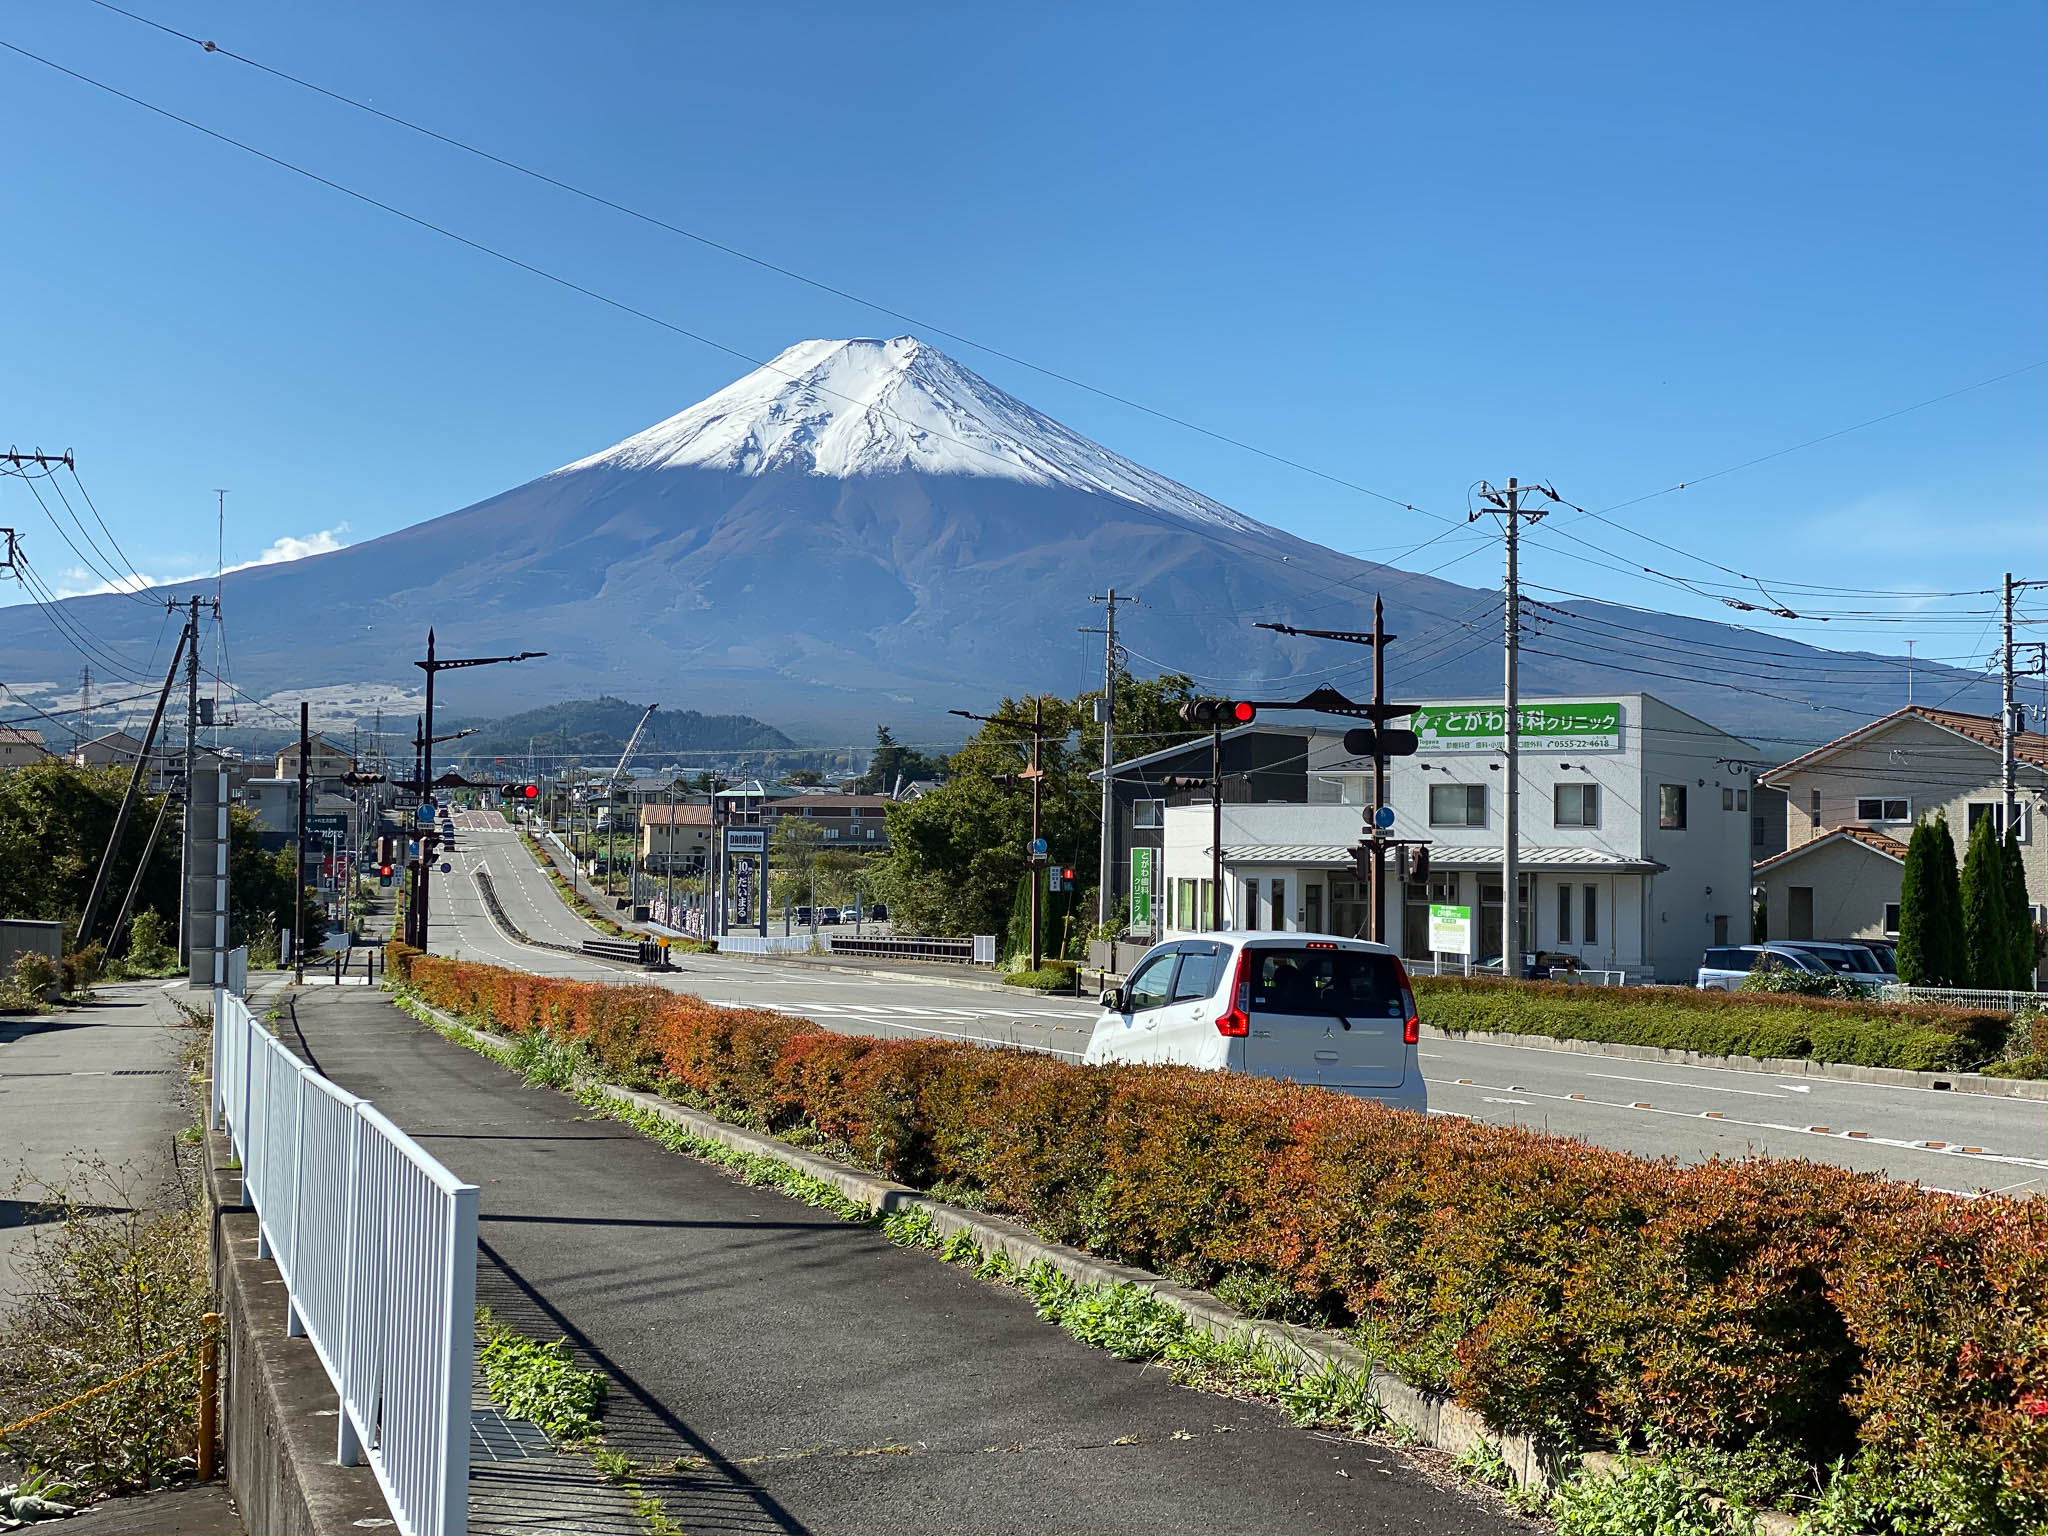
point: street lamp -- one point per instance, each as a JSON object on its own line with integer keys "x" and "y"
{"x": 432, "y": 666}
{"x": 1036, "y": 726}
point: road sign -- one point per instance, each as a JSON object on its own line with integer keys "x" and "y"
{"x": 1038, "y": 847}
{"x": 1141, "y": 887}
{"x": 328, "y": 821}
{"x": 446, "y": 867}
{"x": 745, "y": 840}
{"x": 662, "y": 941}
{"x": 1383, "y": 818}
{"x": 1052, "y": 877}
{"x": 425, "y": 816}
{"x": 1450, "y": 930}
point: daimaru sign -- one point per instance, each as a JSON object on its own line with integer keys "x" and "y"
{"x": 1484, "y": 727}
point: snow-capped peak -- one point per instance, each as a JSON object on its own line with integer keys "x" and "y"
{"x": 865, "y": 407}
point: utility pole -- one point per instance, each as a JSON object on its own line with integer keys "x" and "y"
{"x": 433, "y": 666}
{"x": 99, "y": 879}
{"x": 1112, "y": 663}
{"x": 1215, "y": 914}
{"x": 299, "y": 849}
{"x": 1509, "y": 504}
{"x": 2008, "y": 781}
{"x": 191, "y": 766}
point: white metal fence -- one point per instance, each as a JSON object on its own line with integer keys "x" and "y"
{"x": 1968, "y": 997}
{"x": 377, "y": 1245}
{"x": 769, "y": 944}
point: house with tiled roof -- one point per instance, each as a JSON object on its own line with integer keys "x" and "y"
{"x": 20, "y": 746}
{"x": 1851, "y": 805}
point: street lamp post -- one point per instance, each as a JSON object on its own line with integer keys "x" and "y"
{"x": 433, "y": 666}
{"x": 1036, "y": 726}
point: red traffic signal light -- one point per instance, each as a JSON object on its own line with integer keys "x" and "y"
{"x": 384, "y": 870}
{"x": 1219, "y": 712}
{"x": 519, "y": 791}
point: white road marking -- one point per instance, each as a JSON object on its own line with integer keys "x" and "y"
{"x": 1492, "y": 1100}
{"x": 1665, "y": 1082}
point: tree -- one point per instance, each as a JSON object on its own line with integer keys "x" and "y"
{"x": 1988, "y": 949}
{"x": 1930, "y": 922}
{"x": 2025, "y": 942}
{"x": 891, "y": 762}
{"x": 803, "y": 778}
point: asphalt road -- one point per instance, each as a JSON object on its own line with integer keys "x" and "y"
{"x": 809, "y": 1375}
{"x": 1689, "y": 1113}
{"x": 101, "y": 1081}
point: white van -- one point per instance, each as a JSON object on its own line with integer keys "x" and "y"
{"x": 1329, "y": 1012}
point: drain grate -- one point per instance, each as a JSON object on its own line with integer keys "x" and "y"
{"x": 494, "y": 1437}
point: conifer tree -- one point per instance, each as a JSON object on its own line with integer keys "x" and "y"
{"x": 1916, "y": 919}
{"x": 1988, "y": 948}
{"x": 2019, "y": 913}
{"x": 1948, "y": 906}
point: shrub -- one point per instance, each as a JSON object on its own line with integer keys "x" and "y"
{"x": 1561, "y": 1289}
{"x": 1916, "y": 1037}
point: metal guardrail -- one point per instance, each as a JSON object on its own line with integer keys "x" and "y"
{"x": 1967, "y": 997}
{"x": 979, "y": 950}
{"x": 770, "y": 944}
{"x": 376, "y": 1242}
{"x": 629, "y": 951}
{"x": 238, "y": 970}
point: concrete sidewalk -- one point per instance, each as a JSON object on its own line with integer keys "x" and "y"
{"x": 796, "y": 1373}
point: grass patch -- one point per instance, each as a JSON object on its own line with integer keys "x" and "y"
{"x": 539, "y": 1383}
{"x": 115, "y": 1286}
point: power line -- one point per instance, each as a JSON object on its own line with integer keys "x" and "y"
{"x": 763, "y": 263}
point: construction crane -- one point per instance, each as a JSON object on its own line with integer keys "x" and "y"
{"x": 631, "y": 742}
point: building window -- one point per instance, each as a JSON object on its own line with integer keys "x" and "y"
{"x": 1278, "y": 901}
{"x": 1564, "y": 914}
{"x": 1575, "y": 805}
{"x": 1147, "y": 813}
{"x": 1756, "y": 831}
{"x": 1813, "y": 807}
{"x": 1592, "y": 924}
{"x": 1875, "y": 809}
{"x": 1742, "y": 799}
{"x": 1727, "y": 798}
{"x": 1251, "y": 905}
{"x": 1891, "y": 919}
{"x": 1457, "y": 805}
{"x": 1671, "y": 807}
{"x": 1184, "y": 904}
{"x": 1995, "y": 809}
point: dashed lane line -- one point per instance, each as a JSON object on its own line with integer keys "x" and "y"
{"x": 1974, "y": 1154}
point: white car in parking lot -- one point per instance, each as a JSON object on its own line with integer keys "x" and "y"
{"x": 1325, "y": 1011}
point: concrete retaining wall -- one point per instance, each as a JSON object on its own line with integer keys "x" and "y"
{"x": 280, "y": 1416}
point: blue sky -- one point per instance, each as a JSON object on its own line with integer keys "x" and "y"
{"x": 1614, "y": 247}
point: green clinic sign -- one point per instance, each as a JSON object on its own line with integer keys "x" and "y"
{"x": 1141, "y": 886}
{"x": 1484, "y": 727}
{"x": 1450, "y": 930}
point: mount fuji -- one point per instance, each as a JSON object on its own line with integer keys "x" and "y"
{"x": 865, "y": 530}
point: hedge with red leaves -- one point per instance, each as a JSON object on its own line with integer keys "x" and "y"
{"x": 1556, "y": 1287}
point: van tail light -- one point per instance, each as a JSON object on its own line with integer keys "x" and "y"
{"x": 1236, "y": 1021}
{"x": 1411, "y": 1030}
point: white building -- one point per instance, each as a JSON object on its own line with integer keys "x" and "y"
{"x": 1634, "y": 846}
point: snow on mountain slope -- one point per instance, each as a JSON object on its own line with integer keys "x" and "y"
{"x": 841, "y": 409}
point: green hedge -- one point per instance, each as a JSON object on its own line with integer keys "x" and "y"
{"x": 1718, "y": 1023}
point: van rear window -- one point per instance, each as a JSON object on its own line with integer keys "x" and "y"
{"x": 1350, "y": 982}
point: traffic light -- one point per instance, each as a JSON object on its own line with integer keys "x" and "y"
{"x": 519, "y": 791}
{"x": 1219, "y": 712}
{"x": 1418, "y": 863}
{"x": 1384, "y": 742}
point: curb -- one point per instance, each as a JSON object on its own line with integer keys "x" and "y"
{"x": 1434, "y": 1421}
{"x": 1775, "y": 1066}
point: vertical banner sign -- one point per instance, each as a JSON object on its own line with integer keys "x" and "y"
{"x": 743, "y": 891}
{"x": 1141, "y": 886}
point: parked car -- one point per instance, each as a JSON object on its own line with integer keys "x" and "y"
{"x": 1724, "y": 970}
{"x": 1331, "y": 1012}
{"x": 1846, "y": 957}
{"x": 879, "y": 912}
{"x": 828, "y": 916}
{"x": 802, "y": 915}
